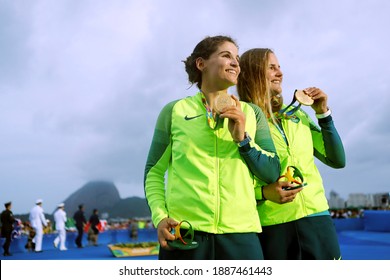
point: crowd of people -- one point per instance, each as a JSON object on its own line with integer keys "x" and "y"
{"x": 347, "y": 213}
{"x": 38, "y": 225}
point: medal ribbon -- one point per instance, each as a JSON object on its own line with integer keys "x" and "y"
{"x": 284, "y": 114}
{"x": 209, "y": 113}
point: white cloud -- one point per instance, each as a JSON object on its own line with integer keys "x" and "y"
{"x": 82, "y": 82}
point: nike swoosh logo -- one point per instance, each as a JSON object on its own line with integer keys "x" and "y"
{"x": 187, "y": 118}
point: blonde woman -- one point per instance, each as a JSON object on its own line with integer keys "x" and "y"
{"x": 296, "y": 223}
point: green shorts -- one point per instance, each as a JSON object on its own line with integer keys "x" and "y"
{"x": 232, "y": 246}
{"x": 310, "y": 238}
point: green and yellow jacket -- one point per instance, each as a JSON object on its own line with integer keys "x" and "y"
{"x": 208, "y": 182}
{"x": 298, "y": 141}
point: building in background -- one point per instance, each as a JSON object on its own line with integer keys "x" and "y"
{"x": 359, "y": 200}
{"x": 335, "y": 201}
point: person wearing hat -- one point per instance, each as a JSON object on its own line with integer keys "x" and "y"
{"x": 60, "y": 220}
{"x": 7, "y": 222}
{"x": 37, "y": 221}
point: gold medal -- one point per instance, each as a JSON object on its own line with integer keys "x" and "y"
{"x": 303, "y": 98}
{"x": 289, "y": 111}
{"x": 222, "y": 101}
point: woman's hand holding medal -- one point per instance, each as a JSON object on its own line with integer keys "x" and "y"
{"x": 320, "y": 99}
{"x": 228, "y": 106}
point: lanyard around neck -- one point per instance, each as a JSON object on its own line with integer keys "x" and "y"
{"x": 213, "y": 123}
{"x": 285, "y": 114}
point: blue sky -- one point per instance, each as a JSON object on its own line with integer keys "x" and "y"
{"x": 82, "y": 83}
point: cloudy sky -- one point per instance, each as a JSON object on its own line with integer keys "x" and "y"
{"x": 82, "y": 83}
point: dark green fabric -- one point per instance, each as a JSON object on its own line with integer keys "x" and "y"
{"x": 311, "y": 238}
{"x": 335, "y": 154}
{"x": 161, "y": 137}
{"x": 232, "y": 246}
{"x": 263, "y": 135}
{"x": 256, "y": 161}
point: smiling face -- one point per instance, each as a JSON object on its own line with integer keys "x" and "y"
{"x": 221, "y": 69}
{"x": 274, "y": 74}
{"x": 274, "y": 77}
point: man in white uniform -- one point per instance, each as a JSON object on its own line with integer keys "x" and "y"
{"x": 37, "y": 221}
{"x": 60, "y": 220}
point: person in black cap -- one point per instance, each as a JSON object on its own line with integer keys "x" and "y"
{"x": 80, "y": 221}
{"x": 7, "y": 222}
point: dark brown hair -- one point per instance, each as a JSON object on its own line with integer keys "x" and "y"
{"x": 203, "y": 49}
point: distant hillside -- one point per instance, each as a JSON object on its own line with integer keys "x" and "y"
{"x": 130, "y": 207}
{"x": 103, "y": 196}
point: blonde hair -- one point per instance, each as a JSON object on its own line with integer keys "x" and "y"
{"x": 253, "y": 85}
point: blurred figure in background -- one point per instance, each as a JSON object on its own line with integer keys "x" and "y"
{"x": 38, "y": 220}
{"x": 133, "y": 229}
{"x": 80, "y": 221}
{"x": 93, "y": 232}
{"x": 7, "y": 225}
{"x": 30, "y": 245}
{"x": 60, "y": 219}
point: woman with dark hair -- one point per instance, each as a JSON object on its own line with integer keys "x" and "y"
{"x": 204, "y": 144}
